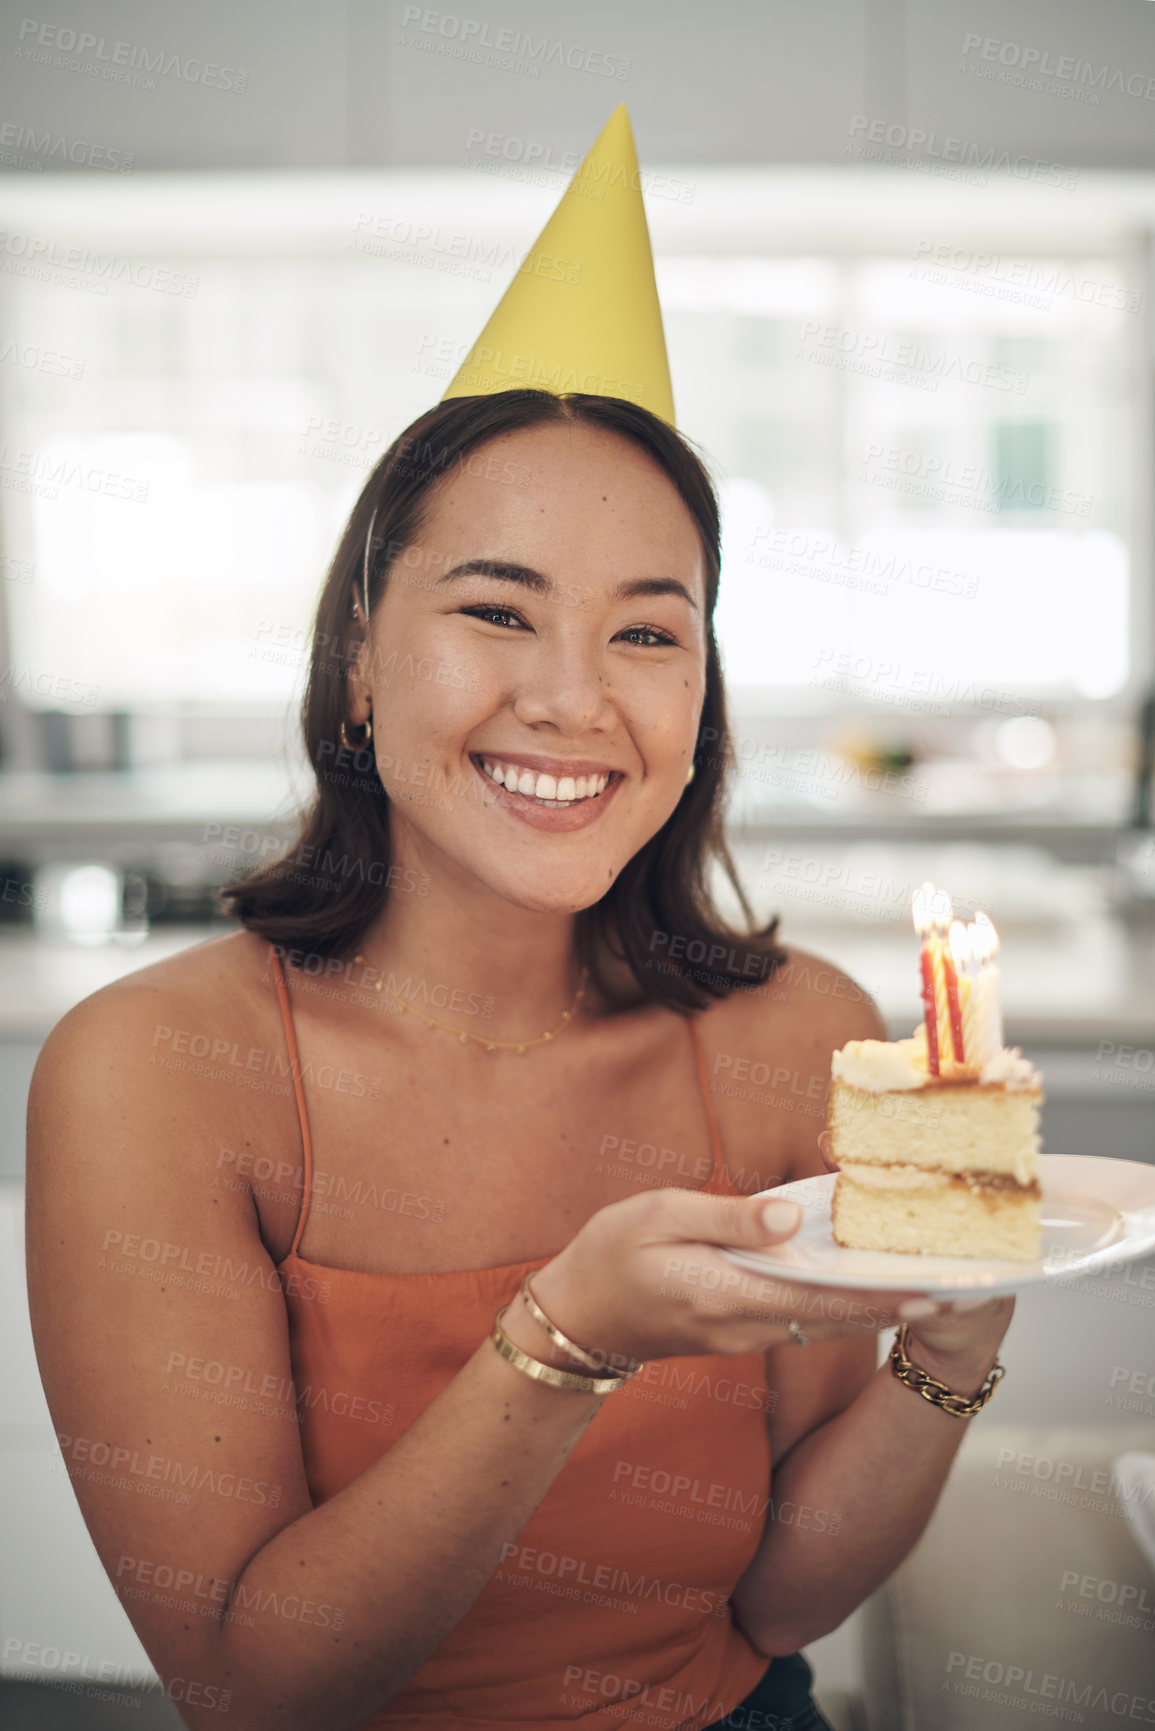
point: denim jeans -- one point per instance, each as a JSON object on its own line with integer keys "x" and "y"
{"x": 780, "y": 1702}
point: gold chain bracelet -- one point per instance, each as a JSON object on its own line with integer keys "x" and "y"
{"x": 937, "y": 1392}
{"x": 549, "y": 1373}
{"x": 589, "y": 1359}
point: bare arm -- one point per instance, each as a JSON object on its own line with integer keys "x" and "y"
{"x": 407, "y": 1547}
{"x": 850, "y": 1499}
{"x": 136, "y": 1265}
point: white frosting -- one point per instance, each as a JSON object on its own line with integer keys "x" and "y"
{"x": 900, "y": 1066}
{"x": 881, "y": 1066}
{"x": 1011, "y": 1068}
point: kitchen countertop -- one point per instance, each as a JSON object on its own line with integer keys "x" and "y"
{"x": 1080, "y": 986}
{"x": 41, "y": 979}
{"x": 1069, "y": 986}
{"x": 53, "y": 816}
{"x": 105, "y": 814}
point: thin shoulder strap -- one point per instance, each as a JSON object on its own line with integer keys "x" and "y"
{"x": 302, "y": 1114}
{"x": 715, "y": 1137}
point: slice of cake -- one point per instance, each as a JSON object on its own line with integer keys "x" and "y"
{"x": 934, "y": 1164}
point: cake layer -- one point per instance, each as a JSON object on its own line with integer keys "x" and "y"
{"x": 951, "y": 1127}
{"x": 910, "y": 1210}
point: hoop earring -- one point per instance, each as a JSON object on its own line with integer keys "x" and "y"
{"x": 690, "y": 774}
{"x": 361, "y": 744}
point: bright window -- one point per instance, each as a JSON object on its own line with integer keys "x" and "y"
{"x": 926, "y": 468}
{"x": 925, "y": 486}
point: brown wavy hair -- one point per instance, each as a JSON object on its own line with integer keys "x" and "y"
{"x": 659, "y": 915}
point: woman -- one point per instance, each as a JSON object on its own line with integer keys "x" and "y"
{"x": 272, "y": 1216}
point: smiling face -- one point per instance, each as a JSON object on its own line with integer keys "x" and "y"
{"x": 548, "y": 622}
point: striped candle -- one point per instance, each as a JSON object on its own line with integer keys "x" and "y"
{"x": 928, "y": 1010}
{"x": 931, "y": 910}
{"x": 954, "y": 1006}
{"x": 963, "y": 961}
{"x": 946, "y": 992}
{"x": 984, "y": 942}
{"x": 941, "y": 999}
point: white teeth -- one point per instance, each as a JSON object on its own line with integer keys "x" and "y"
{"x": 547, "y": 790}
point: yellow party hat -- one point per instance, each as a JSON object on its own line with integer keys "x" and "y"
{"x": 582, "y": 312}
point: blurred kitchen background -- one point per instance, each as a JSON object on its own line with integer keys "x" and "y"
{"x": 906, "y": 257}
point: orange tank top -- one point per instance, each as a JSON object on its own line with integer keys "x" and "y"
{"x": 611, "y": 1604}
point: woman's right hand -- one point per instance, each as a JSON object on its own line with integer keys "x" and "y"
{"x": 644, "y": 1279}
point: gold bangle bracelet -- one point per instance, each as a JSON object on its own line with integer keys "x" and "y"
{"x": 937, "y": 1392}
{"x": 559, "y": 1339}
{"x": 549, "y": 1373}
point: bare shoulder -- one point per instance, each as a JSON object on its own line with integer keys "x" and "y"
{"x": 822, "y": 1003}
{"x": 767, "y": 1052}
{"x": 133, "y": 1072}
{"x": 218, "y": 981}
{"x": 807, "y": 1008}
{"x": 213, "y": 971}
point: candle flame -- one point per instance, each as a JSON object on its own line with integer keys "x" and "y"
{"x": 930, "y": 909}
{"x": 960, "y": 944}
{"x": 983, "y": 937}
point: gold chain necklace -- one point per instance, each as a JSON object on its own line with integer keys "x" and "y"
{"x": 518, "y": 1046}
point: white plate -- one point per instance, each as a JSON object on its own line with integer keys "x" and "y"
{"x": 1096, "y": 1212}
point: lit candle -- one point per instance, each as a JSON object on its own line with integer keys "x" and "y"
{"x": 931, "y": 911}
{"x": 964, "y": 967}
{"x": 923, "y": 922}
{"x": 950, "y": 1030}
{"x": 984, "y": 942}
